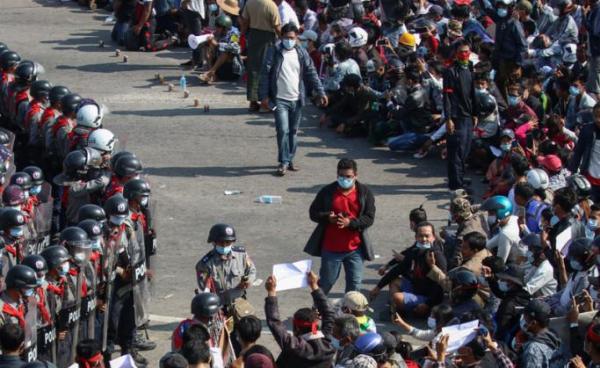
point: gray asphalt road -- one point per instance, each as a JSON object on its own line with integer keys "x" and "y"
{"x": 191, "y": 157}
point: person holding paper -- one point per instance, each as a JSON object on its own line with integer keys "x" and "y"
{"x": 307, "y": 347}
{"x": 563, "y": 203}
{"x": 344, "y": 211}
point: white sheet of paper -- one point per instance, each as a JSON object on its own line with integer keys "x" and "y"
{"x": 564, "y": 239}
{"x": 292, "y": 275}
{"x": 124, "y": 361}
{"x": 497, "y": 152}
{"x": 459, "y": 335}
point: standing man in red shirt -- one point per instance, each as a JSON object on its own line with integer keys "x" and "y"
{"x": 343, "y": 210}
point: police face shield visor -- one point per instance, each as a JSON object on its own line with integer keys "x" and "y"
{"x": 80, "y": 251}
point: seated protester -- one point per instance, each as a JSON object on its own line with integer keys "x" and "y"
{"x": 583, "y": 189}
{"x": 556, "y": 132}
{"x": 463, "y": 293}
{"x": 417, "y": 293}
{"x": 309, "y": 40}
{"x": 248, "y": 331}
{"x": 223, "y": 52}
{"x": 356, "y": 304}
{"x": 461, "y": 212}
{"x": 89, "y": 354}
{"x": 394, "y": 359}
{"x": 508, "y": 286}
{"x": 537, "y": 98}
{"x": 433, "y": 87}
{"x": 517, "y": 107}
{"x": 197, "y": 353}
{"x": 532, "y": 217}
{"x": 488, "y": 122}
{"x": 505, "y": 242}
{"x": 592, "y": 227}
{"x": 414, "y": 114}
{"x": 415, "y": 217}
{"x": 140, "y": 35}
{"x": 539, "y": 276}
{"x": 345, "y": 332}
{"x": 166, "y": 16}
{"x": 579, "y": 102}
{"x": 543, "y": 347}
{"x": 520, "y": 167}
{"x": 540, "y": 182}
{"x": 307, "y": 347}
{"x": 12, "y": 343}
{"x": 441, "y": 316}
{"x": 124, "y": 12}
{"x": 346, "y": 65}
{"x": 581, "y": 260}
{"x": 376, "y": 77}
{"x": 499, "y": 174}
{"x": 563, "y": 203}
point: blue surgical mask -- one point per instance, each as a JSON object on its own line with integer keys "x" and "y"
{"x": 223, "y": 250}
{"x": 575, "y": 265}
{"x": 288, "y": 44}
{"x": 422, "y": 51}
{"x": 492, "y": 74}
{"x": 592, "y": 224}
{"x": 423, "y": 245}
{"x": 480, "y": 91}
{"x": 96, "y": 245}
{"x": 27, "y": 292}
{"x": 513, "y": 100}
{"x": 431, "y": 323}
{"x": 213, "y": 8}
{"x": 502, "y": 12}
{"x": 574, "y": 91}
{"x": 17, "y": 232}
{"x": 505, "y": 147}
{"x": 26, "y": 194}
{"x": 117, "y": 220}
{"x": 523, "y": 324}
{"x": 503, "y": 285}
{"x": 345, "y": 183}
{"x": 40, "y": 280}
{"x": 64, "y": 269}
{"x": 304, "y": 44}
{"x": 554, "y": 220}
{"x": 335, "y": 343}
{"x": 35, "y": 190}
{"x": 530, "y": 257}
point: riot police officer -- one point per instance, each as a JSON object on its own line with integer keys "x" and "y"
{"x": 226, "y": 270}
{"x": 12, "y": 224}
{"x": 92, "y": 212}
{"x": 46, "y": 334}
{"x": 93, "y": 275}
{"x": 56, "y": 134}
{"x": 40, "y": 93}
{"x": 24, "y": 181}
{"x": 57, "y": 259}
{"x": 48, "y": 120}
{"x": 17, "y": 305}
{"x": 126, "y": 168}
{"x": 73, "y": 177}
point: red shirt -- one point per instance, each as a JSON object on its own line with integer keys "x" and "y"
{"x": 343, "y": 240}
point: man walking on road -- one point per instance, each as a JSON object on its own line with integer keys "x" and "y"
{"x": 261, "y": 23}
{"x": 287, "y": 68}
{"x": 344, "y": 210}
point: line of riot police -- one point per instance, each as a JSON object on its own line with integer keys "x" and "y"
{"x": 76, "y": 222}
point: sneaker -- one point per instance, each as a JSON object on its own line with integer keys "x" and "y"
{"x": 281, "y": 170}
{"x": 254, "y": 107}
{"x": 141, "y": 344}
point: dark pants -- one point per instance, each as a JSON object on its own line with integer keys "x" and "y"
{"x": 121, "y": 327}
{"x": 459, "y": 145}
{"x": 192, "y": 23}
{"x": 257, "y": 43}
{"x": 596, "y": 194}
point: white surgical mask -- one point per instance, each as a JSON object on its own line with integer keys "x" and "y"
{"x": 144, "y": 202}
{"x": 64, "y": 269}
{"x": 491, "y": 219}
{"x": 431, "y": 323}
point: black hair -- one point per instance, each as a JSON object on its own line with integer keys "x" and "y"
{"x": 404, "y": 348}
{"x": 495, "y": 263}
{"x": 351, "y": 80}
{"x": 248, "y": 328}
{"x": 88, "y": 348}
{"x": 411, "y": 73}
{"x": 443, "y": 314}
{"x": 436, "y": 66}
{"x": 418, "y": 215}
{"x": 425, "y": 224}
{"x": 529, "y": 26}
{"x": 487, "y": 49}
{"x": 12, "y": 337}
{"x": 290, "y": 27}
{"x": 566, "y": 198}
{"x": 307, "y": 315}
{"x": 595, "y": 207}
{"x": 301, "y": 4}
{"x": 347, "y": 164}
{"x": 475, "y": 241}
{"x": 519, "y": 164}
{"x": 195, "y": 331}
{"x": 196, "y": 352}
{"x": 524, "y": 190}
{"x": 547, "y": 213}
{"x": 343, "y": 51}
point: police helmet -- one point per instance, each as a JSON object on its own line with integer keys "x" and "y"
{"x": 40, "y": 89}
{"x": 117, "y": 156}
{"x": 116, "y": 205}
{"x": 13, "y": 195}
{"x": 21, "y": 179}
{"x": 221, "y": 232}
{"x": 89, "y": 114}
{"x": 10, "y": 218}
{"x": 91, "y": 212}
{"x": 9, "y": 59}
{"x": 26, "y": 72}
{"x": 3, "y": 47}
{"x": 57, "y": 93}
{"x": 74, "y": 168}
{"x": 73, "y": 235}
{"x": 92, "y": 227}
{"x": 36, "y": 174}
{"x": 55, "y": 255}
{"x": 36, "y": 262}
{"x": 69, "y": 103}
{"x": 205, "y": 305}
{"x": 127, "y": 166}
{"x": 21, "y": 277}
{"x": 136, "y": 187}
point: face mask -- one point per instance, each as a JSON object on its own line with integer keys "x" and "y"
{"x": 480, "y": 91}
{"x": 345, "y": 183}
{"x": 26, "y": 194}
{"x": 27, "y": 293}
{"x": 64, "y": 269}
{"x": 513, "y": 100}
{"x": 213, "y": 8}
{"x": 463, "y": 56}
{"x": 223, "y": 250}
{"x": 40, "y": 280}
{"x": 523, "y": 324}
{"x": 117, "y": 220}
{"x": 503, "y": 286}
{"x": 422, "y": 50}
{"x": 505, "y": 147}
{"x": 556, "y": 11}
{"x": 79, "y": 257}
{"x": 144, "y": 202}
{"x": 554, "y": 220}
{"x": 530, "y": 257}
{"x": 492, "y": 74}
{"x": 431, "y": 323}
{"x": 17, "y": 232}
{"x": 575, "y": 265}
{"x": 423, "y": 245}
{"x": 288, "y": 44}
{"x": 304, "y": 44}
{"x": 35, "y": 190}
{"x": 574, "y": 91}
{"x": 502, "y": 12}
{"x": 491, "y": 219}
{"x": 96, "y": 245}
{"x": 335, "y": 343}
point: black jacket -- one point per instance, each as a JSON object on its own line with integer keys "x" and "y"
{"x": 319, "y": 213}
{"x": 9, "y": 361}
{"x": 297, "y": 352}
{"x": 583, "y": 149}
{"x": 459, "y": 94}
{"x": 507, "y": 316}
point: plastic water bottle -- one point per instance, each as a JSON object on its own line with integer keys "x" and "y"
{"x": 232, "y": 192}
{"x": 183, "y": 83}
{"x": 269, "y": 199}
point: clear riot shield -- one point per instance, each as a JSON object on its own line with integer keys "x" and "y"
{"x": 46, "y": 343}
{"x": 12, "y": 137}
{"x": 30, "y": 242}
{"x": 88, "y": 304}
{"x": 141, "y": 287}
{"x": 108, "y": 274}
{"x": 43, "y": 224}
{"x": 30, "y": 352}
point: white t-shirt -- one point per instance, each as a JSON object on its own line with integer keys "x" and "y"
{"x": 287, "y": 14}
{"x": 288, "y": 83}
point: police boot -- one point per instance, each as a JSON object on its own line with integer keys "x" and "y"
{"x": 139, "y": 360}
{"x": 141, "y": 343}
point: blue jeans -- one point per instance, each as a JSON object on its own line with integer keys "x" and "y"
{"x": 331, "y": 265}
{"x": 407, "y": 141}
{"x": 287, "y": 121}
